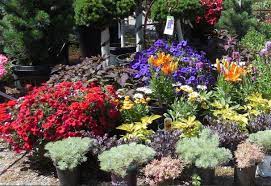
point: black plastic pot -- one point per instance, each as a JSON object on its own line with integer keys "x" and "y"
{"x": 157, "y": 110}
{"x": 129, "y": 180}
{"x": 207, "y": 175}
{"x": 116, "y": 50}
{"x": 123, "y": 59}
{"x": 245, "y": 176}
{"x": 34, "y": 75}
{"x": 68, "y": 177}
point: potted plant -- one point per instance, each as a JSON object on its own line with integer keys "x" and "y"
{"x": 67, "y": 155}
{"x": 164, "y": 171}
{"x": 36, "y": 35}
{"x": 204, "y": 153}
{"x": 99, "y": 14}
{"x": 122, "y": 162}
{"x": 262, "y": 138}
{"x": 247, "y": 155}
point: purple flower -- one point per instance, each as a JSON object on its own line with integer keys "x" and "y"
{"x": 268, "y": 45}
{"x": 263, "y": 52}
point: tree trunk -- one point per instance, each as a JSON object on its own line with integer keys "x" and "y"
{"x": 122, "y": 32}
{"x": 179, "y": 30}
{"x": 105, "y": 45}
{"x": 139, "y": 29}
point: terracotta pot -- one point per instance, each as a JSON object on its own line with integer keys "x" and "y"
{"x": 68, "y": 177}
{"x": 245, "y": 176}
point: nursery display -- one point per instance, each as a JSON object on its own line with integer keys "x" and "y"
{"x": 67, "y": 155}
{"x": 189, "y": 104}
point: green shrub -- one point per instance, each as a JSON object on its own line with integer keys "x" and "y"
{"x": 68, "y": 153}
{"x": 253, "y": 41}
{"x": 119, "y": 159}
{"x": 262, "y": 138}
{"x": 203, "y": 151}
{"x": 185, "y": 9}
{"x": 99, "y": 13}
{"x": 35, "y": 32}
{"x": 237, "y": 19}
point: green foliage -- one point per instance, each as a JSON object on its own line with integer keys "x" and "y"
{"x": 181, "y": 109}
{"x": 263, "y": 76}
{"x": 119, "y": 159}
{"x": 196, "y": 180}
{"x": 139, "y": 130}
{"x": 253, "y": 41}
{"x": 100, "y": 13}
{"x": 186, "y": 9}
{"x": 237, "y": 19}
{"x": 261, "y": 5}
{"x": 35, "y": 32}
{"x": 262, "y": 138}
{"x": 68, "y": 153}
{"x": 203, "y": 151}
{"x": 162, "y": 89}
{"x": 189, "y": 127}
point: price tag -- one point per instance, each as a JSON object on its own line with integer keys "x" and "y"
{"x": 169, "y": 29}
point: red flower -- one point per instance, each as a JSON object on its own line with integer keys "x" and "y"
{"x": 52, "y": 113}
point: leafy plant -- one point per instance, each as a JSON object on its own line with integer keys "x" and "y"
{"x": 260, "y": 123}
{"x": 162, "y": 89}
{"x": 196, "y": 180}
{"x": 189, "y": 127}
{"x": 262, "y": 138}
{"x": 166, "y": 169}
{"x": 118, "y": 159}
{"x": 253, "y": 41}
{"x": 203, "y": 151}
{"x": 91, "y": 69}
{"x": 181, "y": 109}
{"x": 134, "y": 110}
{"x": 164, "y": 142}
{"x": 68, "y": 153}
{"x": 230, "y": 134}
{"x": 248, "y": 155}
{"x": 139, "y": 129}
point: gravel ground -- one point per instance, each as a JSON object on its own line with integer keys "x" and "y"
{"x": 15, "y": 169}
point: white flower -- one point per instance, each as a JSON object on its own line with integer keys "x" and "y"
{"x": 121, "y": 92}
{"x": 145, "y": 90}
{"x": 193, "y": 96}
{"x": 186, "y": 88}
{"x": 202, "y": 87}
{"x": 138, "y": 96}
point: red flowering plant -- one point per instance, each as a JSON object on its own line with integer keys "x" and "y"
{"x": 212, "y": 11}
{"x": 52, "y": 113}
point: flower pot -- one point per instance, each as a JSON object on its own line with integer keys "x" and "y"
{"x": 264, "y": 168}
{"x": 123, "y": 59}
{"x": 117, "y": 53}
{"x": 35, "y": 75}
{"x": 68, "y": 177}
{"x": 158, "y": 110}
{"x": 245, "y": 176}
{"x": 207, "y": 175}
{"x": 130, "y": 179}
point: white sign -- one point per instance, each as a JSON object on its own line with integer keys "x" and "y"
{"x": 169, "y": 29}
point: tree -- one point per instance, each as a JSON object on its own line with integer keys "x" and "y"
{"x": 35, "y": 31}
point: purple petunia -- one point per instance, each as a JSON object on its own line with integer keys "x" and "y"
{"x": 194, "y": 68}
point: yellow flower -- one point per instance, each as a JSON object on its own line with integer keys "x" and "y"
{"x": 127, "y": 106}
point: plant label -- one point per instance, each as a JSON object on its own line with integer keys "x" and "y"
{"x": 169, "y": 29}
